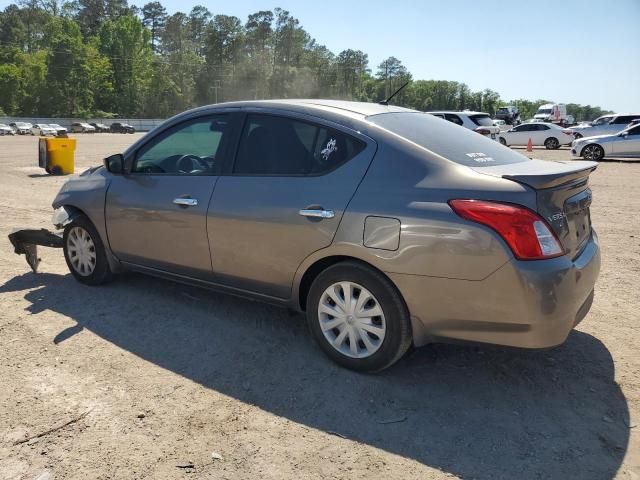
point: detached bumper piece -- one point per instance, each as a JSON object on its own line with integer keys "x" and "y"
{"x": 25, "y": 242}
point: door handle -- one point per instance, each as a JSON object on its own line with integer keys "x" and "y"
{"x": 185, "y": 201}
{"x": 317, "y": 213}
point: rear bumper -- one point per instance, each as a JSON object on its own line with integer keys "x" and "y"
{"x": 522, "y": 304}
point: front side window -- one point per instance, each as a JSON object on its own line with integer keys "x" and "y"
{"x": 602, "y": 121}
{"x": 190, "y": 148}
{"x": 634, "y": 130}
{"x": 273, "y": 145}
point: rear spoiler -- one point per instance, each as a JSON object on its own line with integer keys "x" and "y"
{"x": 541, "y": 174}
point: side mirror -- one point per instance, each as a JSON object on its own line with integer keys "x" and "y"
{"x": 115, "y": 163}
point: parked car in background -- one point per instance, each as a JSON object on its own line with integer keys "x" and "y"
{"x": 6, "y": 129}
{"x": 60, "y": 131}
{"x": 552, "y": 113}
{"x": 605, "y": 125}
{"x": 118, "y": 127}
{"x": 281, "y": 200}
{"x": 21, "y": 128}
{"x": 541, "y": 133}
{"x": 82, "y": 127}
{"x": 499, "y": 123}
{"x": 100, "y": 127}
{"x": 622, "y": 144}
{"x": 42, "y": 129}
{"x": 479, "y": 122}
{"x": 509, "y": 114}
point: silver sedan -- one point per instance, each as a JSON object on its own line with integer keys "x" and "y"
{"x": 623, "y": 144}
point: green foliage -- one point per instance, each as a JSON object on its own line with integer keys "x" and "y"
{"x": 107, "y": 58}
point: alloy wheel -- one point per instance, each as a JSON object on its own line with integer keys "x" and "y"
{"x": 592, "y": 152}
{"x": 81, "y": 251}
{"x": 552, "y": 144}
{"x": 351, "y": 319}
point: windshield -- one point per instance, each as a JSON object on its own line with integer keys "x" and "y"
{"x": 544, "y": 110}
{"x": 503, "y": 110}
{"x": 482, "y": 120}
{"x": 457, "y": 144}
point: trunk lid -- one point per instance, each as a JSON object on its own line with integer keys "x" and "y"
{"x": 563, "y": 197}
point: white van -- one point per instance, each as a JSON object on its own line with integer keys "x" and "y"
{"x": 552, "y": 112}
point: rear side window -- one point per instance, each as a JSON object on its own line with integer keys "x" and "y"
{"x": 482, "y": 120}
{"x": 459, "y": 145}
{"x": 274, "y": 145}
{"x": 453, "y": 118}
{"x": 624, "y": 119}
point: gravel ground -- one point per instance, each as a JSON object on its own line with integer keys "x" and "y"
{"x": 159, "y": 380}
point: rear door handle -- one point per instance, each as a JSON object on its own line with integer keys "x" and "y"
{"x": 185, "y": 201}
{"x": 317, "y": 213}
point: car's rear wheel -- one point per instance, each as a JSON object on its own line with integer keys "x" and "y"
{"x": 358, "y": 317}
{"x": 84, "y": 252}
{"x": 552, "y": 143}
{"x": 503, "y": 141}
{"x": 593, "y": 152}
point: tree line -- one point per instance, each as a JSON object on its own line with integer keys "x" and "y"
{"x": 105, "y": 58}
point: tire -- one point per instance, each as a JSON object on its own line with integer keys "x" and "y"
{"x": 593, "y": 152}
{"x": 551, "y": 143}
{"x": 394, "y": 320}
{"x": 503, "y": 142}
{"x": 101, "y": 273}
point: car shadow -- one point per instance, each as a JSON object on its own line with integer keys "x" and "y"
{"x": 481, "y": 413}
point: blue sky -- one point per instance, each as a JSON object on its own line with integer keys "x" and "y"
{"x": 564, "y": 50}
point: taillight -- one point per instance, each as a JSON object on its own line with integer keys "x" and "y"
{"x": 483, "y": 131}
{"x": 527, "y": 234}
{"x": 568, "y": 132}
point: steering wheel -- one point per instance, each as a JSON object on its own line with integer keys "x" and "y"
{"x": 187, "y": 167}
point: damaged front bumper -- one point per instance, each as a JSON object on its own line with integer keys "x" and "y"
{"x": 25, "y": 242}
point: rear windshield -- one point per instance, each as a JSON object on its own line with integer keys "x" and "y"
{"x": 482, "y": 120}
{"x": 503, "y": 110}
{"x": 455, "y": 143}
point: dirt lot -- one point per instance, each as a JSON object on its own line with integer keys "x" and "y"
{"x": 155, "y": 376}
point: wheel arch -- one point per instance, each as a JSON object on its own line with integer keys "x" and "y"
{"x": 318, "y": 266}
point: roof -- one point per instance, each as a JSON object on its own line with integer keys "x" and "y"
{"x": 457, "y": 112}
{"x": 359, "y": 108}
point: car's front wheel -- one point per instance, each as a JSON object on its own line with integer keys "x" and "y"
{"x": 503, "y": 141}
{"x": 593, "y": 152}
{"x": 358, "y": 317}
{"x": 84, "y": 252}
